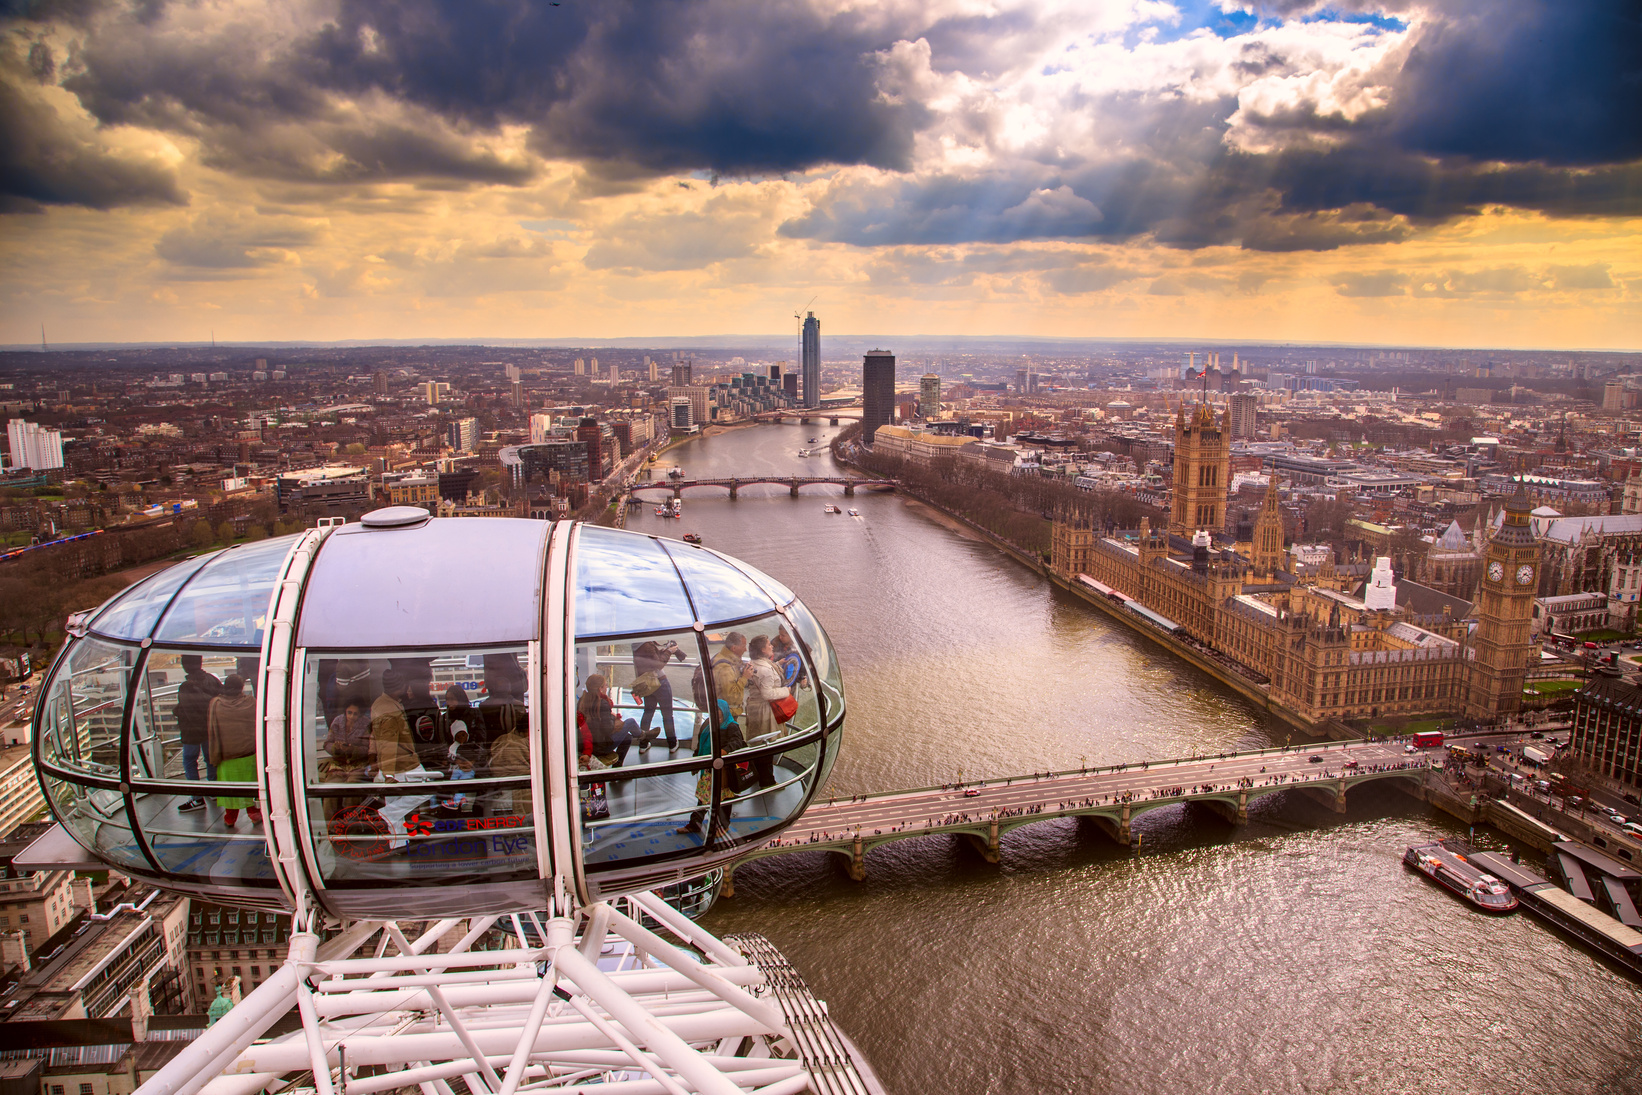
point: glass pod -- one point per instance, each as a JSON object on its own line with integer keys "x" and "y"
{"x": 411, "y": 716}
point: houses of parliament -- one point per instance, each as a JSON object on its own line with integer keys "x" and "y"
{"x": 1323, "y": 643}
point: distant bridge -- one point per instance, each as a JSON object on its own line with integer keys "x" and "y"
{"x": 792, "y": 483}
{"x": 1111, "y": 797}
{"x": 805, "y": 414}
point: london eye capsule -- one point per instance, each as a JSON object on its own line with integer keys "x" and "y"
{"x": 408, "y": 717}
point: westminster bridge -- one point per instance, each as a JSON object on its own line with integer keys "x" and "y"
{"x": 1112, "y": 797}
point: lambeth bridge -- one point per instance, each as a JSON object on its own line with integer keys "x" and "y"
{"x": 1111, "y": 797}
{"x": 792, "y": 483}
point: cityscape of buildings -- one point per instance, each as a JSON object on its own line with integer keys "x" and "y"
{"x": 1348, "y": 536}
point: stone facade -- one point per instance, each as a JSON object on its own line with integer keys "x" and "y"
{"x": 1202, "y": 471}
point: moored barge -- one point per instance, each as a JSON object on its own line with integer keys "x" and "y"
{"x": 1453, "y": 870}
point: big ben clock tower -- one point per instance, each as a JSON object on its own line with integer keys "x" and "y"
{"x": 1502, "y": 641}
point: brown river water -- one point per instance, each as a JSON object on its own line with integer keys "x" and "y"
{"x": 1293, "y": 954}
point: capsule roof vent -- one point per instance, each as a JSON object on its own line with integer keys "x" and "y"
{"x": 395, "y": 517}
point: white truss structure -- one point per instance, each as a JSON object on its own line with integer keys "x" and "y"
{"x": 592, "y": 999}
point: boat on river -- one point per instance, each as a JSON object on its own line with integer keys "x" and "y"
{"x": 691, "y": 538}
{"x": 1452, "y": 869}
{"x": 855, "y": 513}
{"x": 830, "y": 508}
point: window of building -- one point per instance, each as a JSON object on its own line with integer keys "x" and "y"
{"x": 86, "y": 1089}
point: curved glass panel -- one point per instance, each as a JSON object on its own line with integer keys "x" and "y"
{"x": 828, "y": 677}
{"x": 418, "y": 766}
{"x": 637, "y": 708}
{"x": 133, "y": 614}
{"x": 775, "y": 792}
{"x": 194, "y": 789}
{"x": 718, "y": 590}
{"x": 226, "y": 601}
{"x": 624, "y": 583}
{"x": 97, "y": 819}
{"x": 778, "y": 592}
{"x": 86, "y": 706}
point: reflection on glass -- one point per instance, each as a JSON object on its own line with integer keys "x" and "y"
{"x": 227, "y": 601}
{"x": 171, "y": 719}
{"x": 89, "y": 704}
{"x": 418, "y": 765}
{"x": 778, "y": 592}
{"x": 637, "y": 818}
{"x": 191, "y": 836}
{"x": 718, "y": 590}
{"x": 625, "y": 583}
{"x": 776, "y": 794}
{"x": 824, "y": 656}
{"x": 636, "y": 699}
{"x": 132, "y": 614}
{"x": 96, "y": 816}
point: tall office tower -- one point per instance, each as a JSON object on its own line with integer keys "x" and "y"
{"x": 1202, "y": 468}
{"x": 33, "y": 446}
{"x": 435, "y": 390}
{"x": 681, "y": 374}
{"x": 590, "y": 434}
{"x": 593, "y": 366}
{"x": 810, "y": 362}
{"x": 1243, "y": 412}
{"x": 519, "y": 394}
{"x": 1503, "y": 639}
{"x": 653, "y": 370}
{"x": 541, "y": 428}
{"x": 464, "y": 434}
{"x": 929, "y": 395}
{"x": 581, "y": 367}
{"x": 789, "y": 384}
{"x": 615, "y": 373}
{"x": 877, "y": 392}
{"x": 381, "y": 382}
{"x": 776, "y": 371}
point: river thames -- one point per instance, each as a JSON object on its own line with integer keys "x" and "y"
{"x": 1293, "y": 954}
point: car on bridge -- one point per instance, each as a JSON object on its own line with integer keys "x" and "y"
{"x": 1316, "y": 758}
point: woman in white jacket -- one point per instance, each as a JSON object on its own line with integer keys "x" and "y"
{"x": 764, "y": 683}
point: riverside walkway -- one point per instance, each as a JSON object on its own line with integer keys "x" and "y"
{"x": 1113, "y": 797}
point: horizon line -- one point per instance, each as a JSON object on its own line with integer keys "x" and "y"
{"x": 728, "y": 341}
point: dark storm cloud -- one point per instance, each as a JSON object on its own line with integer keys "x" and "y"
{"x": 44, "y": 163}
{"x": 728, "y": 86}
{"x": 1530, "y": 105}
{"x": 1555, "y": 81}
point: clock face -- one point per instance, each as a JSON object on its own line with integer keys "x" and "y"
{"x": 1525, "y": 574}
{"x": 1496, "y": 571}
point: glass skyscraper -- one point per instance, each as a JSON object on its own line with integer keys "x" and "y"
{"x": 877, "y": 392}
{"x": 811, "y": 364}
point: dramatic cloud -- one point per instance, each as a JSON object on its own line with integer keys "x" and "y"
{"x": 1067, "y": 153}
{"x": 50, "y": 156}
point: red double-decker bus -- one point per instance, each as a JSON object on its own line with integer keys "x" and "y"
{"x": 1427, "y": 739}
